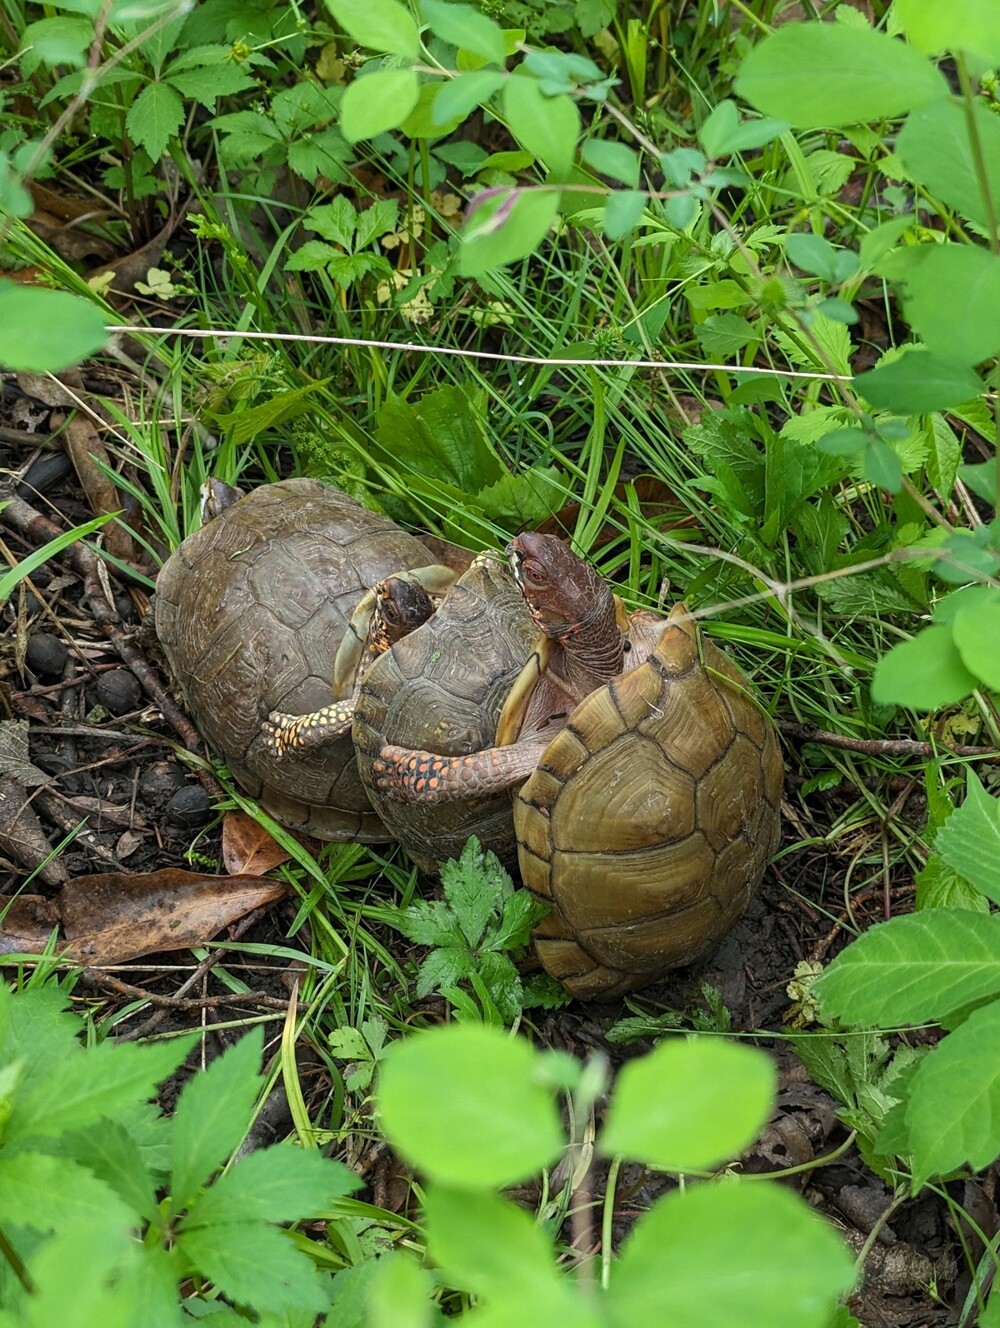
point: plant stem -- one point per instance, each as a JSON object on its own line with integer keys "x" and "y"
{"x": 607, "y": 1222}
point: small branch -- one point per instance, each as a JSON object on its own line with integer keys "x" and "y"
{"x": 880, "y": 746}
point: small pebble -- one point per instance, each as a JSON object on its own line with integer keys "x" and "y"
{"x": 118, "y": 691}
{"x": 46, "y": 654}
{"x": 55, "y": 763}
{"x": 126, "y": 608}
{"x": 160, "y": 781}
{"x": 189, "y": 808}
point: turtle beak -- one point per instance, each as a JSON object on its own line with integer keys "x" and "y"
{"x": 515, "y": 556}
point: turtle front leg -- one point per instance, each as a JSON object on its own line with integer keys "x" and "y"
{"x": 408, "y": 775}
{"x": 286, "y": 734}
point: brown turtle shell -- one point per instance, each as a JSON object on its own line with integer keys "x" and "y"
{"x": 651, "y": 818}
{"x": 250, "y": 611}
{"x": 442, "y": 689}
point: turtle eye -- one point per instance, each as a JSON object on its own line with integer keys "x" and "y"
{"x": 390, "y": 613}
{"x": 534, "y": 573}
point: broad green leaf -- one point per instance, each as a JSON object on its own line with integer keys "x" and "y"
{"x": 722, "y": 335}
{"x": 212, "y": 1115}
{"x": 969, "y": 841}
{"x": 944, "y": 455}
{"x": 953, "y": 1111}
{"x": 461, "y": 1102}
{"x": 923, "y": 673}
{"x": 47, "y": 1193}
{"x": 615, "y": 159}
{"x": 960, "y": 25}
{"x": 378, "y": 102}
{"x": 256, "y": 1265}
{"x": 243, "y": 425}
{"x": 442, "y": 435}
{"x": 952, "y": 300}
{"x": 55, "y": 41}
{"x": 977, "y": 635}
{"x": 917, "y": 382}
{"x": 935, "y": 151}
{"x": 526, "y": 498}
{"x": 420, "y": 123}
{"x": 622, "y": 212}
{"x": 278, "y": 1184}
{"x": 548, "y": 127}
{"x": 881, "y": 241}
{"x": 85, "y": 1277}
{"x": 865, "y": 76}
{"x": 913, "y": 969}
{"x": 45, "y": 331}
{"x": 689, "y": 1104}
{"x": 937, "y": 886}
{"x": 109, "y": 1151}
{"x": 881, "y": 466}
{"x": 981, "y": 478}
{"x": 718, "y": 1255}
{"x": 479, "y": 1238}
{"x": 155, "y": 117}
{"x": 813, "y": 254}
{"x": 967, "y": 554}
{"x": 383, "y": 25}
{"x": 37, "y": 1025}
{"x": 504, "y": 229}
{"x": 400, "y": 1295}
{"x": 458, "y": 96}
{"x": 467, "y": 28}
{"x": 718, "y": 131}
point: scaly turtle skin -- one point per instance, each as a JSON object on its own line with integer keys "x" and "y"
{"x": 443, "y": 687}
{"x": 251, "y": 611}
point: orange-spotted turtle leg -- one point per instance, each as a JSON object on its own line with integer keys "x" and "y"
{"x": 285, "y": 734}
{"x": 415, "y": 776}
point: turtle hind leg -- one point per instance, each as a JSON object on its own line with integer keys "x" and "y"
{"x": 408, "y": 775}
{"x": 286, "y": 734}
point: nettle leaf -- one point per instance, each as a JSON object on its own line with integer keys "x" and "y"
{"x": 610, "y": 158}
{"x": 378, "y": 102}
{"x": 46, "y": 331}
{"x": 212, "y": 1115}
{"x": 913, "y": 969}
{"x": 467, "y": 28}
{"x": 917, "y": 382}
{"x": 969, "y": 841}
{"x": 866, "y": 76}
{"x": 548, "y": 127}
{"x": 383, "y": 25}
{"x": 110, "y": 1152}
{"x": 944, "y": 454}
{"x": 952, "y": 300}
{"x": 924, "y": 673}
{"x": 256, "y": 1265}
{"x": 458, "y": 96}
{"x": 953, "y": 1111}
{"x": 935, "y": 151}
{"x": 46, "y": 1193}
{"x": 462, "y": 1102}
{"x": 155, "y": 117}
{"x": 278, "y": 1184}
{"x": 730, "y": 1253}
{"x": 689, "y": 1104}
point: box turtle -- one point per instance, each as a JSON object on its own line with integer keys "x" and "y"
{"x": 647, "y": 820}
{"x": 252, "y": 611}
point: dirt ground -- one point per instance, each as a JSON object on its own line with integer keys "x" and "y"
{"x": 101, "y": 769}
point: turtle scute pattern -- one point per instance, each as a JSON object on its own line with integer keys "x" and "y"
{"x": 250, "y": 611}
{"x": 651, "y": 818}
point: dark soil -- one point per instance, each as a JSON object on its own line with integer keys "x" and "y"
{"x": 118, "y": 792}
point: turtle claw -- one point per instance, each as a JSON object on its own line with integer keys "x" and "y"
{"x": 286, "y": 734}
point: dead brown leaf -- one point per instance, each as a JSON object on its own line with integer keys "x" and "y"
{"x": 247, "y": 848}
{"x": 27, "y": 923}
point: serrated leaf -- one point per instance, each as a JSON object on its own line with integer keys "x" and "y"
{"x": 443, "y": 967}
{"x": 279, "y": 1184}
{"x": 46, "y": 1193}
{"x": 503, "y": 982}
{"x": 466, "y": 28}
{"x": 154, "y": 118}
{"x": 738, "y": 1253}
{"x": 243, "y": 425}
{"x": 944, "y": 455}
{"x": 938, "y": 886}
{"x": 381, "y": 218}
{"x": 969, "y": 841}
{"x": 427, "y": 922}
{"x": 472, "y": 892}
{"x": 441, "y": 435}
{"x": 548, "y": 127}
{"x": 212, "y": 1115}
{"x": 866, "y": 76}
{"x": 689, "y": 1104}
{"x": 977, "y": 636}
{"x": 946, "y": 1127}
{"x": 913, "y": 969}
{"x": 256, "y": 1265}
{"x": 378, "y": 102}
{"x": 826, "y": 1064}
{"x": 461, "y": 1101}
{"x": 109, "y": 1151}
{"x": 312, "y": 256}
{"x": 46, "y": 331}
{"x": 521, "y": 911}
{"x": 382, "y": 25}
{"x": 923, "y": 673}
{"x": 207, "y": 85}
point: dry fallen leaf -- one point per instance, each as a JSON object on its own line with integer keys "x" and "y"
{"x": 27, "y": 923}
{"x": 247, "y": 848}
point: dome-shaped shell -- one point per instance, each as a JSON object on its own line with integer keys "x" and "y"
{"x": 250, "y": 611}
{"x": 442, "y": 689}
{"x": 650, "y": 819}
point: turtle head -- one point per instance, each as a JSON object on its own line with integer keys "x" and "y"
{"x": 562, "y": 591}
{"x": 401, "y": 605}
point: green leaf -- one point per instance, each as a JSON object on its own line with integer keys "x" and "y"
{"x": 615, "y": 159}
{"x": 881, "y": 466}
{"x": 474, "y": 886}
{"x": 465, "y": 27}
{"x": 458, "y": 96}
{"x": 944, "y": 455}
{"x": 312, "y": 256}
{"x": 335, "y": 221}
{"x": 46, "y": 331}
{"x": 969, "y": 841}
{"x": 689, "y": 1104}
{"x": 212, "y": 1115}
{"x": 923, "y": 673}
{"x": 208, "y": 84}
{"x": 548, "y": 127}
{"x": 981, "y": 479}
{"x": 46, "y": 1193}
{"x": 723, "y": 1254}
{"x": 935, "y": 151}
{"x": 622, "y": 212}
{"x": 109, "y": 1151}
{"x": 243, "y": 425}
{"x": 55, "y": 41}
{"x": 443, "y": 968}
{"x": 718, "y": 131}
{"x": 523, "y": 499}
{"x": 461, "y": 1101}
{"x": 278, "y": 1184}
{"x": 399, "y": 1296}
{"x": 378, "y": 102}
{"x": 953, "y": 1111}
{"x": 256, "y": 1265}
{"x": 914, "y": 968}
{"x": 918, "y": 382}
{"x": 952, "y": 300}
{"x": 504, "y": 228}
{"x": 722, "y": 335}
{"x": 937, "y": 886}
{"x": 442, "y": 435}
{"x": 479, "y": 1238}
{"x": 382, "y": 25}
{"x": 865, "y": 76}
{"x": 813, "y": 254}
{"x": 977, "y": 635}
{"x": 962, "y": 25}
{"x": 154, "y": 118}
